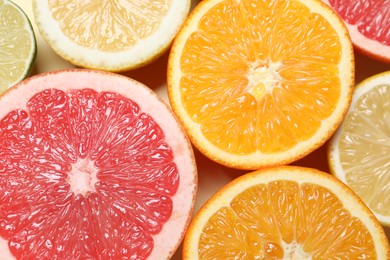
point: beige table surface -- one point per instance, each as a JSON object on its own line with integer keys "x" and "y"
{"x": 211, "y": 175}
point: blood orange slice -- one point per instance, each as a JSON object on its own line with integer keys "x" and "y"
{"x": 368, "y": 23}
{"x": 93, "y": 165}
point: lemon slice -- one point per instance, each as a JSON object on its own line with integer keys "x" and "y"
{"x": 110, "y": 35}
{"x": 359, "y": 152}
{"x": 17, "y": 45}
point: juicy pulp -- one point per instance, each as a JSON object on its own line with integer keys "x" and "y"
{"x": 61, "y": 134}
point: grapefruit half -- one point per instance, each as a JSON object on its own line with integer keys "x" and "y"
{"x": 368, "y": 22}
{"x": 93, "y": 165}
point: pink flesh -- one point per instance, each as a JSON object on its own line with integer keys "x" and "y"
{"x": 372, "y": 17}
{"x": 119, "y": 154}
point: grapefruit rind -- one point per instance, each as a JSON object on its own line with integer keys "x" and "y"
{"x": 169, "y": 238}
{"x": 333, "y": 148}
{"x": 367, "y": 46}
{"x": 258, "y": 159}
{"x": 351, "y": 202}
{"x": 143, "y": 53}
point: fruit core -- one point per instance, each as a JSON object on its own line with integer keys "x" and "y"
{"x": 82, "y": 177}
{"x": 263, "y": 78}
{"x": 292, "y": 251}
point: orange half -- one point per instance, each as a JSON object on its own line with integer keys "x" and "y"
{"x": 285, "y": 212}
{"x": 260, "y": 83}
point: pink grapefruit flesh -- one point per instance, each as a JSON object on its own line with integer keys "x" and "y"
{"x": 93, "y": 165}
{"x": 368, "y": 23}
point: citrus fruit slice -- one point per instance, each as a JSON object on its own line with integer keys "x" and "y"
{"x": 368, "y": 24}
{"x": 260, "y": 83}
{"x": 359, "y": 152}
{"x": 17, "y": 45}
{"x": 110, "y": 35}
{"x": 285, "y": 212}
{"x": 93, "y": 165}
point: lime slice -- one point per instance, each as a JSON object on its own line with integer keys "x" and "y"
{"x": 17, "y": 45}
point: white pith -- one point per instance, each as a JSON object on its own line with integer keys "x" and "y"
{"x": 82, "y": 177}
{"x": 294, "y": 251}
{"x": 266, "y": 75}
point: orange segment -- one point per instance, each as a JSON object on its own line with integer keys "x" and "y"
{"x": 227, "y": 231}
{"x": 260, "y": 83}
{"x": 285, "y": 213}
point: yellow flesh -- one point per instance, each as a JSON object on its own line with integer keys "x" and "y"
{"x": 268, "y": 82}
{"x": 364, "y": 147}
{"x": 16, "y": 46}
{"x": 284, "y": 219}
{"x": 108, "y": 25}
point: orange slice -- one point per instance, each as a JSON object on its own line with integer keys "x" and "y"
{"x": 260, "y": 83}
{"x": 93, "y": 165}
{"x": 285, "y": 212}
{"x": 359, "y": 152}
{"x": 110, "y": 35}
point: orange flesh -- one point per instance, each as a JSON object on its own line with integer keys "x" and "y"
{"x": 365, "y": 143}
{"x": 125, "y": 22}
{"x": 258, "y": 69}
{"x": 285, "y": 219}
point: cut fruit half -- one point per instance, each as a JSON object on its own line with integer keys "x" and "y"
{"x": 285, "y": 212}
{"x": 260, "y": 83}
{"x": 110, "y": 35}
{"x": 93, "y": 165}
{"x": 359, "y": 152}
{"x": 17, "y": 45}
{"x": 368, "y": 22}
